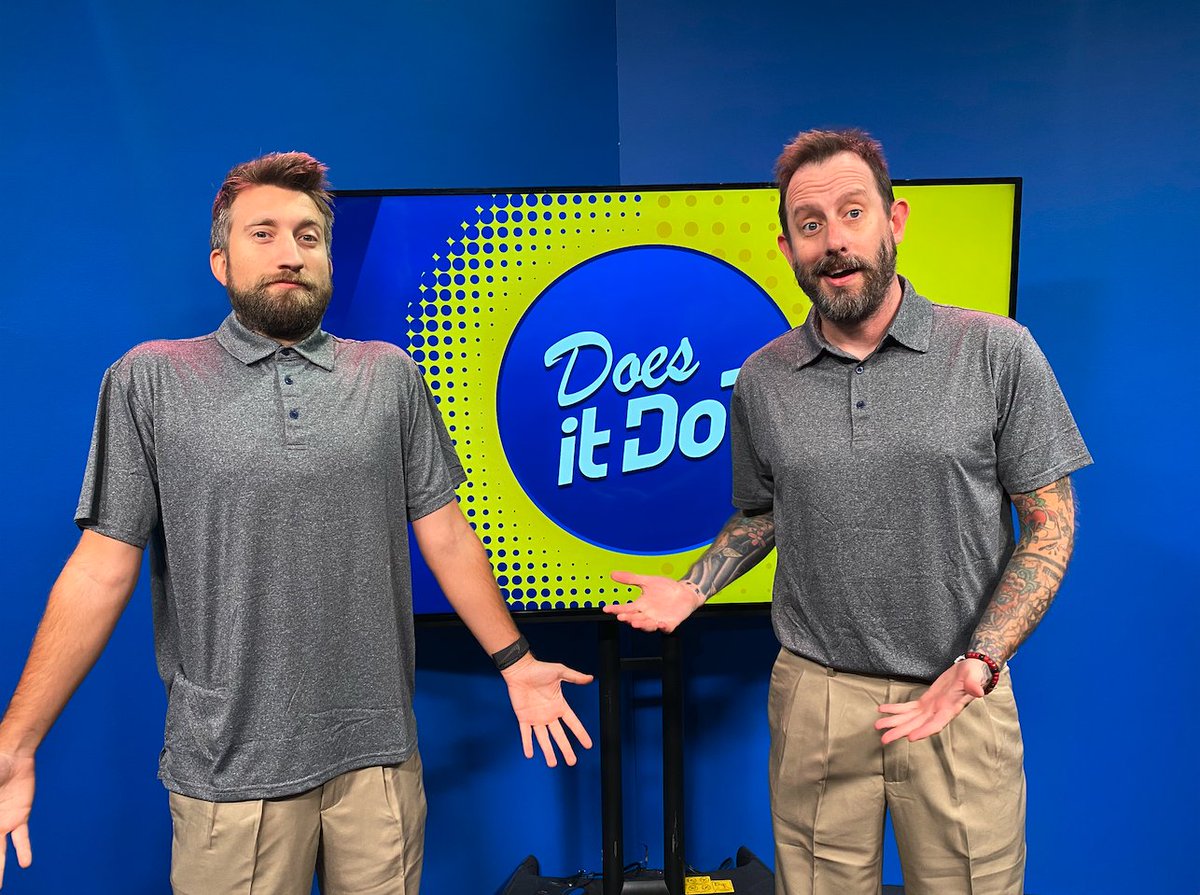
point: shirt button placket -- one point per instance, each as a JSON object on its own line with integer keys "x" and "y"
{"x": 288, "y": 366}
{"x": 860, "y": 406}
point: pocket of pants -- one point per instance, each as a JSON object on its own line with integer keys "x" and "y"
{"x": 404, "y": 790}
{"x": 785, "y": 680}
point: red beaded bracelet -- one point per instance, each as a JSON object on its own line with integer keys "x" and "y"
{"x": 992, "y": 664}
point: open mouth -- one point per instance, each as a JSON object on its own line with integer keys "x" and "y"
{"x": 840, "y": 276}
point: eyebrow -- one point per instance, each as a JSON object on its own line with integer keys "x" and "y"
{"x": 852, "y": 195}
{"x": 271, "y": 222}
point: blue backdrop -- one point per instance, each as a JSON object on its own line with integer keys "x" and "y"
{"x": 120, "y": 118}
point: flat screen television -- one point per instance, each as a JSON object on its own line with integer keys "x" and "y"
{"x": 582, "y": 345}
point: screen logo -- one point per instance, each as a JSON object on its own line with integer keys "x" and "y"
{"x": 613, "y": 395}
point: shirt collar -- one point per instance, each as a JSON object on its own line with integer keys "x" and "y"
{"x": 250, "y": 347}
{"x": 911, "y": 328}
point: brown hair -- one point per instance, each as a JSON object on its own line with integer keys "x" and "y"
{"x": 813, "y": 147}
{"x": 297, "y": 171}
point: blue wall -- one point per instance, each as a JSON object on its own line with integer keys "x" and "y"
{"x": 119, "y": 119}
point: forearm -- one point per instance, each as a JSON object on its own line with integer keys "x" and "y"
{"x": 738, "y": 547}
{"x": 84, "y": 606}
{"x": 457, "y": 559}
{"x": 1034, "y": 571}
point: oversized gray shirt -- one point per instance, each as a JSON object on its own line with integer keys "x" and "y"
{"x": 890, "y": 479}
{"x": 273, "y": 486}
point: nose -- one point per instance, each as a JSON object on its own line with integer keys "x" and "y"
{"x": 835, "y": 237}
{"x": 288, "y": 255}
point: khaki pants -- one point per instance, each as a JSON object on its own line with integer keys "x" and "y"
{"x": 957, "y": 799}
{"x": 363, "y": 832}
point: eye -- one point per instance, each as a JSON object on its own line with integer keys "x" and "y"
{"x": 809, "y": 227}
{"x": 854, "y": 214}
{"x": 311, "y": 238}
{"x": 261, "y": 234}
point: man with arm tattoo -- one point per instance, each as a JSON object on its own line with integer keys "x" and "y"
{"x": 881, "y": 448}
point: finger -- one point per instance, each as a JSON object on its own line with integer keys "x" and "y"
{"x": 896, "y": 708}
{"x": 543, "y": 739}
{"x": 901, "y": 730}
{"x": 926, "y": 730}
{"x": 526, "y": 741}
{"x": 617, "y": 608}
{"x": 888, "y": 721}
{"x": 576, "y": 727}
{"x": 20, "y": 841}
{"x": 564, "y": 744}
{"x": 930, "y": 726}
{"x": 626, "y": 612}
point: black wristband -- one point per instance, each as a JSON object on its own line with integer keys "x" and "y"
{"x": 511, "y": 653}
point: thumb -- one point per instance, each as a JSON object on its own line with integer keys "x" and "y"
{"x": 630, "y": 578}
{"x": 571, "y": 676}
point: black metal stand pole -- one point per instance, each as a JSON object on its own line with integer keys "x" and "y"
{"x": 672, "y": 721}
{"x": 610, "y": 759}
{"x": 670, "y": 667}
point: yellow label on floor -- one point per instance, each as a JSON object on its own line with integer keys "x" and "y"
{"x": 701, "y": 885}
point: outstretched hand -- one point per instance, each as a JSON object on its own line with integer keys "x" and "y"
{"x": 952, "y": 692}
{"x": 16, "y": 799}
{"x": 662, "y": 606}
{"x": 535, "y": 690}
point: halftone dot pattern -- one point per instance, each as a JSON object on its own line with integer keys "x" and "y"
{"x": 493, "y": 268}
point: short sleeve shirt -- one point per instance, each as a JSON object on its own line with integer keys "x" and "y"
{"x": 274, "y": 487}
{"x": 890, "y": 478}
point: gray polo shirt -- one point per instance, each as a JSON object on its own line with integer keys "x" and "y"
{"x": 890, "y": 479}
{"x": 273, "y": 486}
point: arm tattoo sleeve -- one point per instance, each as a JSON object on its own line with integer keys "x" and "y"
{"x": 739, "y": 546}
{"x": 1034, "y": 571}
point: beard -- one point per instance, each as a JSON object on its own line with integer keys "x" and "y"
{"x": 283, "y": 315}
{"x": 841, "y": 304}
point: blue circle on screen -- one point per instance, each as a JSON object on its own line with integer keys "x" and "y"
{"x": 630, "y": 450}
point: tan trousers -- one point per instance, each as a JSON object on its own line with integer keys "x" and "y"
{"x": 363, "y": 832}
{"x": 957, "y": 798}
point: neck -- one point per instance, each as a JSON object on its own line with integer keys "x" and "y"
{"x": 860, "y": 339}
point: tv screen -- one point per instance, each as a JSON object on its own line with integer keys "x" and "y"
{"x": 582, "y": 345}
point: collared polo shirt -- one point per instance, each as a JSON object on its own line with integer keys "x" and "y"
{"x": 890, "y": 478}
{"x": 274, "y": 486}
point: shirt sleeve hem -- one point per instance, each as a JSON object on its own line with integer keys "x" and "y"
{"x": 1051, "y": 475}
{"x": 117, "y": 534}
{"x": 417, "y": 511}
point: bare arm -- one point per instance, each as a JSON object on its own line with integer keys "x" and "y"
{"x": 664, "y": 603}
{"x": 458, "y": 562}
{"x": 1030, "y": 580}
{"x": 460, "y": 565}
{"x": 1034, "y": 571}
{"x": 85, "y": 603}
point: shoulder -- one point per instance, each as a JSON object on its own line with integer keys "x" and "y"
{"x": 159, "y": 353}
{"x": 779, "y": 354}
{"x": 375, "y": 356}
{"x": 996, "y": 335}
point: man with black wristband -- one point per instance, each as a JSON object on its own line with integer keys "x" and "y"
{"x": 881, "y": 447}
{"x": 273, "y": 469}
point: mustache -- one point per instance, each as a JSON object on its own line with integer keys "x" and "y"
{"x": 835, "y": 263}
{"x": 291, "y": 278}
